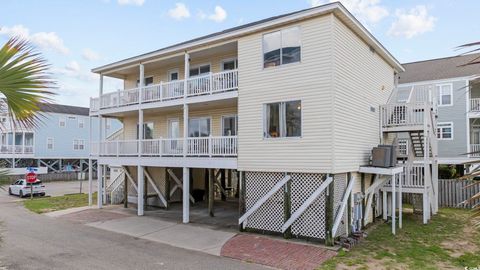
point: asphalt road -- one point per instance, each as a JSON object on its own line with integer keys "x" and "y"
{"x": 32, "y": 241}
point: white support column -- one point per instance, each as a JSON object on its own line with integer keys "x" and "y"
{"x": 104, "y": 184}
{"x": 400, "y": 202}
{"x": 140, "y": 132}
{"x": 140, "y": 191}
{"x": 185, "y": 129}
{"x": 394, "y": 183}
{"x": 100, "y": 92}
{"x": 141, "y": 83}
{"x": 186, "y": 74}
{"x": 90, "y": 184}
{"x": 186, "y": 195}
{"x": 384, "y": 202}
{"x": 99, "y": 186}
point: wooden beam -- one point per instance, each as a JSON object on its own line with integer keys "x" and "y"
{"x": 150, "y": 180}
{"x": 179, "y": 184}
{"x": 306, "y": 204}
{"x": 262, "y": 200}
{"x": 342, "y": 208}
{"x": 127, "y": 173}
{"x": 211, "y": 193}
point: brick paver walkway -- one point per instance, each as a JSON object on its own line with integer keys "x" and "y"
{"x": 275, "y": 253}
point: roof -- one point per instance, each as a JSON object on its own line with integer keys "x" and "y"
{"x": 441, "y": 68}
{"x": 65, "y": 109}
{"x": 353, "y": 23}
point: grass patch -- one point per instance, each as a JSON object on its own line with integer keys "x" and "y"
{"x": 448, "y": 241}
{"x": 49, "y": 204}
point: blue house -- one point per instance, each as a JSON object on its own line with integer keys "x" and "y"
{"x": 61, "y": 142}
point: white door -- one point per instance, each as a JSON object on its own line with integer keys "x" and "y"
{"x": 475, "y": 135}
{"x": 174, "y": 147}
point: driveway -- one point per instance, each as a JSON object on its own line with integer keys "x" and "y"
{"x": 32, "y": 241}
{"x": 59, "y": 188}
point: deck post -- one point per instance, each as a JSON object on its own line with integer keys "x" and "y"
{"x": 99, "y": 185}
{"x": 394, "y": 183}
{"x": 211, "y": 192}
{"x": 222, "y": 183}
{"x": 125, "y": 189}
{"x": 185, "y": 130}
{"x": 384, "y": 201}
{"x": 241, "y": 196}
{"x": 140, "y": 191}
{"x": 287, "y": 207}
{"x": 329, "y": 214}
{"x": 90, "y": 184}
{"x": 186, "y": 195}
{"x": 400, "y": 201}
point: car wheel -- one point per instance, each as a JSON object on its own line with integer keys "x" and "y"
{"x": 9, "y": 191}
{"x": 20, "y": 194}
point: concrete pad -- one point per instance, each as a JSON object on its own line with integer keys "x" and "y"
{"x": 60, "y": 213}
{"x": 133, "y": 226}
{"x": 192, "y": 237}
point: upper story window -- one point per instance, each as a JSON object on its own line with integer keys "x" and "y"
{"x": 282, "y": 47}
{"x": 229, "y": 125}
{"x": 229, "y": 64}
{"x": 403, "y": 95}
{"x": 199, "y": 70}
{"x": 81, "y": 123}
{"x": 173, "y": 75}
{"x": 199, "y": 127}
{"x": 445, "y": 131}
{"x": 146, "y": 82}
{"x": 50, "y": 143}
{"x": 62, "y": 122}
{"x": 444, "y": 95}
{"x": 283, "y": 119}
{"x": 78, "y": 144}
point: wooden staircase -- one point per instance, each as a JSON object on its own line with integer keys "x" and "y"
{"x": 417, "y": 141}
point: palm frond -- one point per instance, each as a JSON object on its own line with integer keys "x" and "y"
{"x": 24, "y": 82}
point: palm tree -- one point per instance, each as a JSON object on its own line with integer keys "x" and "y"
{"x": 24, "y": 82}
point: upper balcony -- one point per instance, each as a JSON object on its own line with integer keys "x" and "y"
{"x": 204, "y": 85}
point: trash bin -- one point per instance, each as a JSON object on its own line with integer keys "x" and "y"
{"x": 198, "y": 194}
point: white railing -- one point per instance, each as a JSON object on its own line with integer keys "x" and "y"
{"x": 402, "y": 114}
{"x": 218, "y": 146}
{"x": 412, "y": 177}
{"x": 475, "y": 104}
{"x": 210, "y": 83}
{"x": 16, "y": 149}
{"x": 474, "y": 150}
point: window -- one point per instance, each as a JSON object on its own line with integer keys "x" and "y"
{"x": 403, "y": 95}
{"x": 199, "y": 127}
{"x": 78, "y": 144}
{"x": 173, "y": 75}
{"x": 62, "y": 122}
{"x": 147, "y": 131}
{"x": 281, "y": 47}
{"x": 29, "y": 139}
{"x": 146, "y": 82}
{"x": 283, "y": 119}
{"x": 199, "y": 70}
{"x": 50, "y": 143}
{"x": 230, "y": 64}
{"x": 229, "y": 125}
{"x": 445, "y": 131}
{"x": 73, "y": 118}
{"x": 81, "y": 123}
{"x": 444, "y": 94}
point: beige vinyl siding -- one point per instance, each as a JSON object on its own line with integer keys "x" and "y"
{"x": 362, "y": 79}
{"x": 309, "y": 81}
{"x": 161, "y": 74}
{"x": 160, "y": 121}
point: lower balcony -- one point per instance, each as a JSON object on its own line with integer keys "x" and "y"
{"x": 205, "y": 152}
{"x": 16, "y": 150}
{"x": 474, "y": 150}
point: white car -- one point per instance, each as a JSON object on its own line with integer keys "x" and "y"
{"x": 22, "y": 188}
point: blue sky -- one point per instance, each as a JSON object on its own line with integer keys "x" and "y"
{"x": 76, "y": 36}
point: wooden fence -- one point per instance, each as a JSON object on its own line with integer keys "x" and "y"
{"x": 453, "y": 192}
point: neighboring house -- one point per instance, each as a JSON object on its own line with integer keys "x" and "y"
{"x": 456, "y": 88}
{"x": 60, "y": 142}
{"x": 281, "y": 115}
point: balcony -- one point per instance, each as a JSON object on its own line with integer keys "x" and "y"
{"x": 402, "y": 115}
{"x": 474, "y": 150}
{"x": 209, "y": 84}
{"x": 16, "y": 149}
{"x": 213, "y": 146}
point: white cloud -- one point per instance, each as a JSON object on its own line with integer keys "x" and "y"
{"x": 219, "y": 16}
{"x": 44, "y": 40}
{"x": 366, "y": 11}
{"x": 131, "y": 2}
{"x": 90, "y": 55}
{"x": 411, "y": 23}
{"x": 179, "y": 12}
{"x": 73, "y": 66}
{"x": 73, "y": 70}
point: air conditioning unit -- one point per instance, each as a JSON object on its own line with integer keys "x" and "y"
{"x": 384, "y": 156}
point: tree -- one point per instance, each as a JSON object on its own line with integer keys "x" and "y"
{"x": 24, "y": 82}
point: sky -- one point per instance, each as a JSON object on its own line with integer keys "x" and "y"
{"x": 78, "y": 35}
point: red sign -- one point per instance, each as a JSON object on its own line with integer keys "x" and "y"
{"x": 31, "y": 177}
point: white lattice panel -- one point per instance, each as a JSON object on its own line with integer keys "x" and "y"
{"x": 270, "y": 216}
{"x": 312, "y": 222}
{"x": 340, "y": 185}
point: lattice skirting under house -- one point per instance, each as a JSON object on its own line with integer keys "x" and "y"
{"x": 273, "y": 213}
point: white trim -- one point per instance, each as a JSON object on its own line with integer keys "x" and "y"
{"x": 81, "y": 121}
{"x": 236, "y": 123}
{"x": 282, "y": 117}
{"x": 467, "y": 108}
{"x": 200, "y": 117}
{"x": 281, "y": 64}
{"x": 78, "y": 144}
{"x": 64, "y": 121}
{"x": 171, "y": 71}
{"x": 235, "y": 59}
{"x": 441, "y": 133}
{"x": 168, "y": 126}
{"x": 356, "y": 26}
{"x": 438, "y": 94}
{"x": 440, "y": 81}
